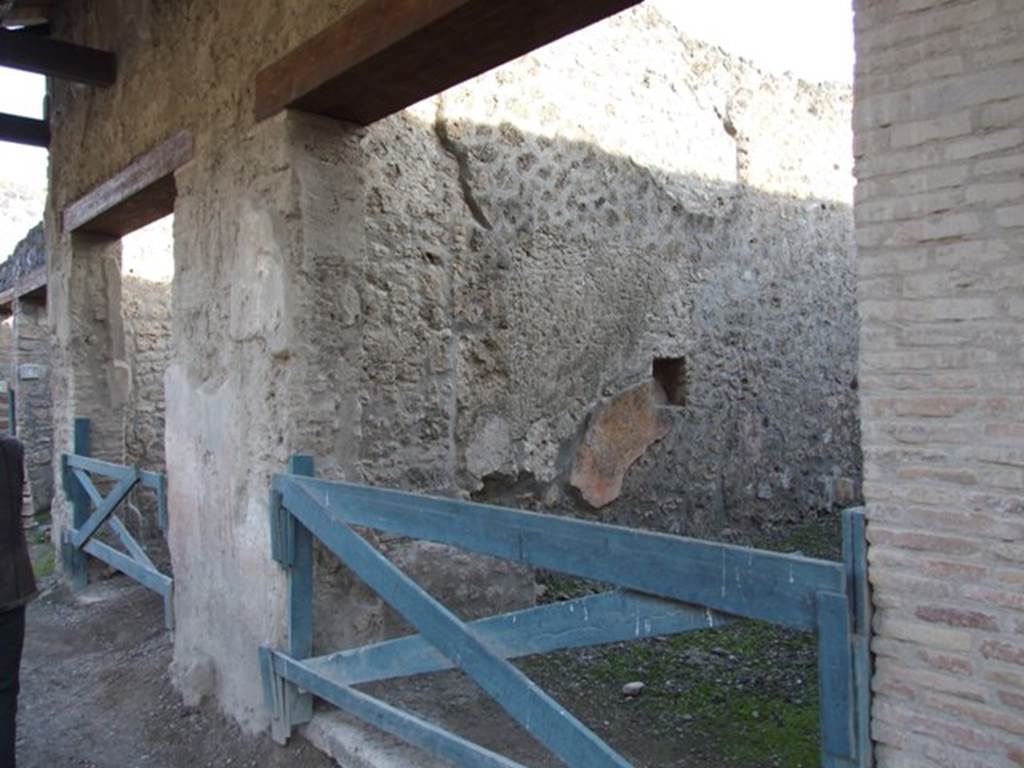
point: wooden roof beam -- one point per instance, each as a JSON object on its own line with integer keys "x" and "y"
{"x": 24, "y": 130}
{"x": 55, "y": 58}
{"x": 140, "y": 194}
{"x": 388, "y": 54}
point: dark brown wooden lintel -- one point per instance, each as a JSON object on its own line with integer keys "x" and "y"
{"x": 139, "y": 195}
{"x": 31, "y": 286}
{"x": 56, "y": 58}
{"x": 388, "y": 54}
{"x": 24, "y": 130}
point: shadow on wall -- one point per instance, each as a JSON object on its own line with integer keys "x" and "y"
{"x": 517, "y": 288}
{"x": 540, "y": 320}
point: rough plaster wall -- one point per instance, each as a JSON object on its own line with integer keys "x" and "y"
{"x": 227, "y": 431}
{"x": 147, "y": 268}
{"x": 34, "y": 399}
{"x": 98, "y": 376}
{"x": 940, "y": 233}
{"x": 165, "y": 52}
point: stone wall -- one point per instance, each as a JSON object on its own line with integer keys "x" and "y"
{"x": 7, "y": 349}
{"x": 147, "y": 268}
{"x": 940, "y": 231}
{"x": 6, "y": 370}
{"x": 26, "y": 258}
{"x": 468, "y": 298}
{"x": 536, "y": 242}
{"x": 34, "y": 399}
{"x": 25, "y": 362}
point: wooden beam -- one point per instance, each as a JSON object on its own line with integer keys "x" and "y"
{"x": 139, "y": 195}
{"x": 31, "y": 285}
{"x": 24, "y": 130}
{"x": 56, "y": 58}
{"x": 388, "y": 54}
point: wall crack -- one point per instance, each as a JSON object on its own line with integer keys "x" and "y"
{"x": 461, "y": 157}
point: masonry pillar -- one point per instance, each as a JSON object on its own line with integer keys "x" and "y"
{"x": 100, "y": 378}
{"x": 34, "y": 413}
{"x": 940, "y": 233}
{"x": 264, "y": 364}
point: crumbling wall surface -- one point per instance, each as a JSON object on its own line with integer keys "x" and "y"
{"x": 27, "y": 258}
{"x": 98, "y": 373}
{"x": 538, "y": 237}
{"x": 34, "y": 415}
{"x": 940, "y": 230}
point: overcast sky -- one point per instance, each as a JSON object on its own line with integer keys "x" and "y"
{"x": 811, "y": 38}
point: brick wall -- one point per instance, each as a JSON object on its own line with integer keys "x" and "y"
{"x": 939, "y": 126}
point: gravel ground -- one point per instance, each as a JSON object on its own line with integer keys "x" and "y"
{"x": 96, "y": 694}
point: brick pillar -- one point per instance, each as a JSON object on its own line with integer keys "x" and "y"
{"x": 939, "y": 144}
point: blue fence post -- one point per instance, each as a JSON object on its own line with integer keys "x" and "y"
{"x": 300, "y": 598}
{"x": 291, "y": 545}
{"x": 75, "y": 563}
{"x": 161, "y": 504}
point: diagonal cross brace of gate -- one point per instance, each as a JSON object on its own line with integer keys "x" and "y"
{"x": 677, "y": 574}
{"x": 77, "y": 470}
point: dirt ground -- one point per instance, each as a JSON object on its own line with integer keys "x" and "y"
{"x": 96, "y": 693}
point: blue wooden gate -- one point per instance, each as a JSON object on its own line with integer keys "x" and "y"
{"x": 78, "y": 470}
{"x": 665, "y": 585}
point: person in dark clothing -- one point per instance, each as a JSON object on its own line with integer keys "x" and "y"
{"x": 17, "y": 588}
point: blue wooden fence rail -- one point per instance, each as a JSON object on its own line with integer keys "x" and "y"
{"x": 78, "y": 470}
{"x": 664, "y": 585}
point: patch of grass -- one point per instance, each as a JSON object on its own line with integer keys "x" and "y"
{"x": 742, "y": 696}
{"x": 750, "y": 690}
{"x": 820, "y": 537}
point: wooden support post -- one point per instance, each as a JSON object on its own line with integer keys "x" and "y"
{"x": 75, "y": 560}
